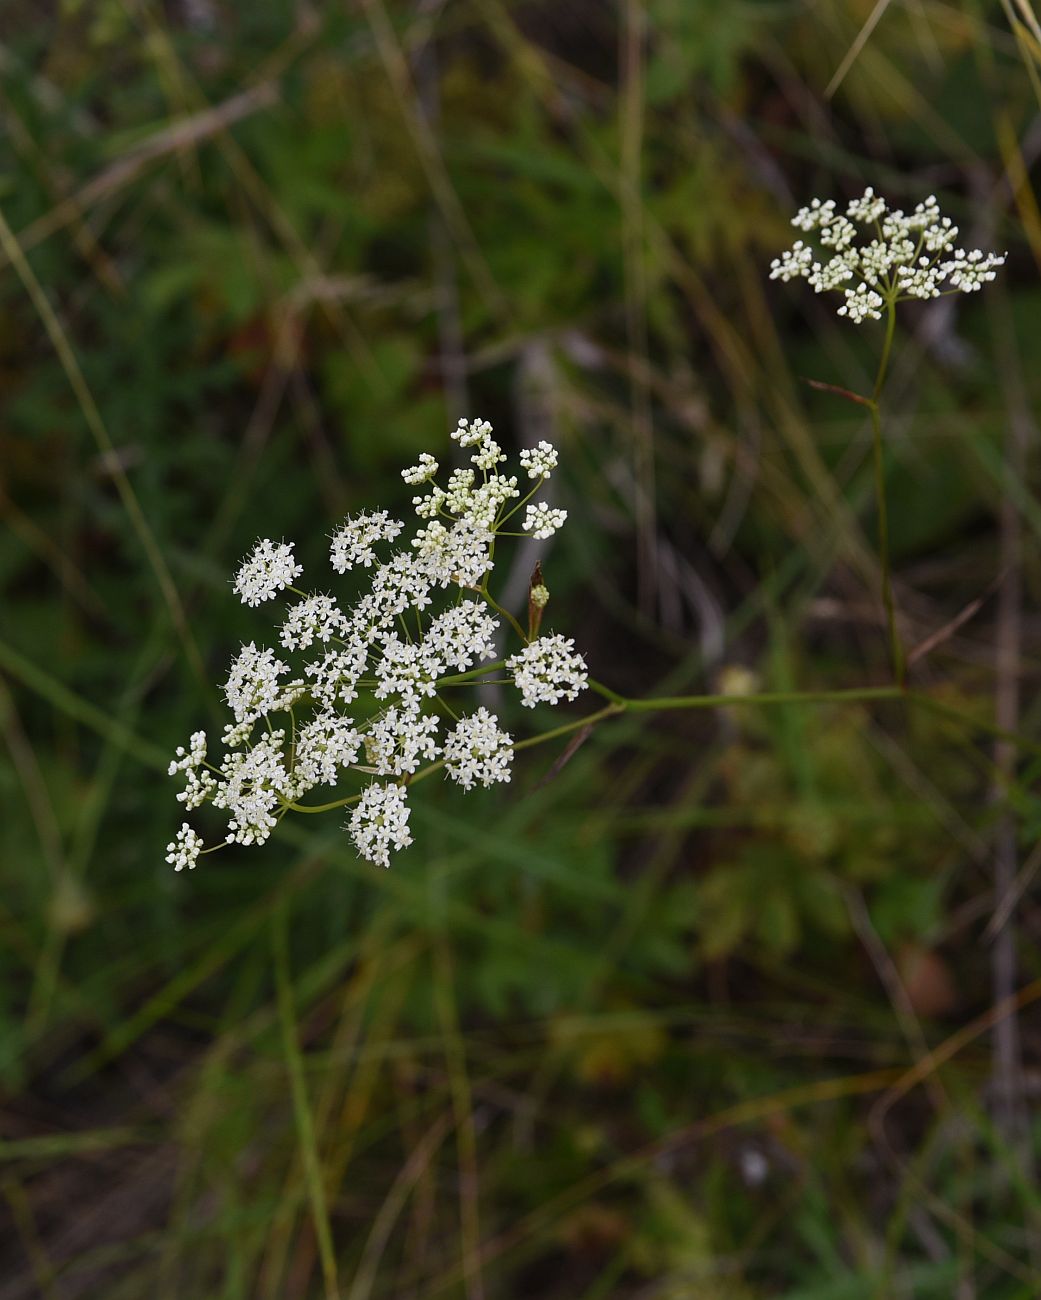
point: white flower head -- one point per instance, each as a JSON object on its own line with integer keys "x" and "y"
{"x": 185, "y": 849}
{"x": 862, "y": 303}
{"x": 255, "y": 783}
{"x": 317, "y": 618}
{"x": 868, "y": 208}
{"x": 463, "y": 633}
{"x": 252, "y": 688}
{"x": 895, "y": 256}
{"x": 539, "y": 461}
{"x": 268, "y": 569}
{"x": 400, "y": 640}
{"x": 470, "y": 433}
{"x": 816, "y": 215}
{"x": 325, "y": 746}
{"x": 542, "y": 521}
{"x": 379, "y": 823}
{"x": 353, "y": 543}
{"x": 423, "y": 472}
{"x": 397, "y": 741}
{"x": 460, "y": 554}
{"x": 186, "y": 760}
{"x": 793, "y": 262}
{"x": 548, "y": 670}
{"x": 478, "y": 751}
{"x": 488, "y": 455}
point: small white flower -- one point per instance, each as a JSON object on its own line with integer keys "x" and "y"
{"x": 839, "y": 234}
{"x": 459, "y": 491}
{"x": 318, "y": 618}
{"x": 539, "y": 461}
{"x": 477, "y": 750}
{"x": 459, "y": 554}
{"x": 379, "y": 823}
{"x": 919, "y": 281}
{"x": 898, "y": 262}
{"x": 462, "y": 633}
{"x": 793, "y": 263}
{"x": 548, "y": 670}
{"x": 194, "y": 756}
{"x": 334, "y": 677}
{"x": 816, "y": 215}
{"x": 199, "y": 786}
{"x": 488, "y": 455}
{"x": 971, "y": 271}
{"x": 941, "y": 236}
{"x": 252, "y": 688}
{"x": 925, "y": 214}
{"x": 352, "y": 544}
{"x": 325, "y": 746}
{"x": 471, "y": 433}
{"x": 861, "y": 303}
{"x": 407, "y": 669}
{"x": 236, "y": 734}
{"x": 869, "y": 207}
{"x": 542, "y": 521}
{"x": 421, "y": 473}
{"x": 255, "y": 785}
{"x": 396, "y": 742}
{"x": 265, "y": 572}
{"x": 185, "y": 849}
{"x": 832, "y": 273}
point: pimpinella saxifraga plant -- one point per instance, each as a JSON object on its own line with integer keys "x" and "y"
{"x": 368, "y": 690}
{"x": 878, "y": 257}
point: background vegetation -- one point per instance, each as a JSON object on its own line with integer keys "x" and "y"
{"x": 734, "y": 1003}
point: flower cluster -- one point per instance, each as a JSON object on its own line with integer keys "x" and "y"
{"x": 878, "y": 256}
{"x": 373, "y": 690}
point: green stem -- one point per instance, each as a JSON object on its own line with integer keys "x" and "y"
{"x": 461, "y": 679}
{"x": 619, "y": 704}
{"x": 483, "y": 591}
{"x": 853, "y": 696}
{"x": 896, "y": 652}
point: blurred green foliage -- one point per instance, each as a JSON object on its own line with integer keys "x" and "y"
{"x": 638, "y": 1030}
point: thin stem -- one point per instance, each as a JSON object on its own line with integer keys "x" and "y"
{"x": 887, "y": 348}
{"x": 462, "y": 679}
{"x": 896, "y": 652}
{"x": 483, "y": 591}
{"x": 852, "y": 696}
{"x": 321, "y": 807}
{"x": 619, "y": 704}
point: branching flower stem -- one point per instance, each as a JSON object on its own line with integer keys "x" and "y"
{"x": 619, "y": 704}
{"x": 896, "y": 651}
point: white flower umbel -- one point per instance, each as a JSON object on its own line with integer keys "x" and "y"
{"x": 399, "y": 739}
{"x": 380, "y": 823}
{"x": 364, "y": 680}
{"x": 353, "y": 543}
{"x": 463, "y": 633}
{"x": 877, "y": 257}
{"x": 265, "y": 572}
{"x": 185, "y": 849}
{"x": 326, "y": 746}
{"x": 423, "y": 472}
{"x": 542, "y": 521}
{"x": 252, "y": 688}
{"x": 478, "y": 751}
{"x": 539, "y": 461}
{"x": 548, "y": 671}
{"x": 892, "y": 256}
{"x": 318, "y": 618}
